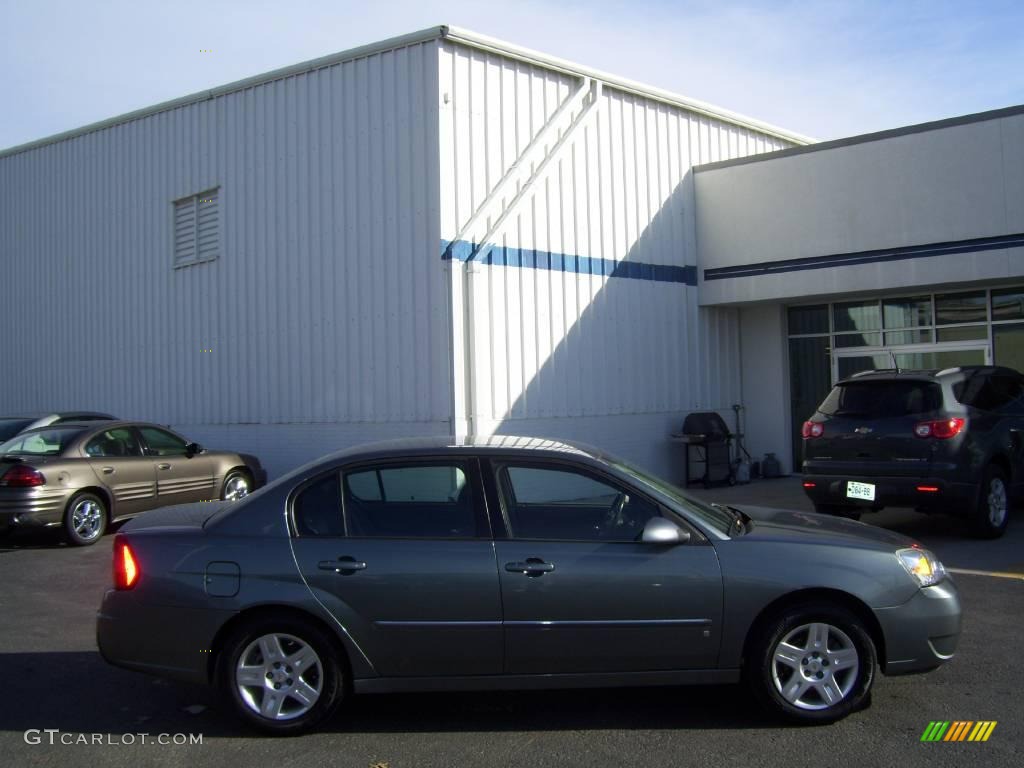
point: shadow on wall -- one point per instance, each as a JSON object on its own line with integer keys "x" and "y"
{"x": 618, "y": 350}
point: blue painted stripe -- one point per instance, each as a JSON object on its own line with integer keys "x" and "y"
{"x": 866, "y": 257}
{"x": 560, "y": 262}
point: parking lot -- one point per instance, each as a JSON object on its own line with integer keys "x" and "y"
{"x": 55, "y": 679}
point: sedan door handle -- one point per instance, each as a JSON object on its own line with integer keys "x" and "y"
{"x": 532, "y": 566}
{"x": 108, "y": 470}
{"x": 163, "y": 466}
{"x": 344, "y": 565}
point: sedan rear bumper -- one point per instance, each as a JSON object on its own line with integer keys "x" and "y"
{"x": 162, "y": 640}
{"x": 891, "y": 491}
{"x": 921, "y": 634}
{"x": 32, "y": 507}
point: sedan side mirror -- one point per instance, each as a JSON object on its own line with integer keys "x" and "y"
{"x": 191, "y": 449}
{"x": 661, "y": 530}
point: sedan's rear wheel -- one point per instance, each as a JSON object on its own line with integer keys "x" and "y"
{"x": 85, "y": 519}
{"x": 814, "y": 663}
{"x": 282, "y": 675}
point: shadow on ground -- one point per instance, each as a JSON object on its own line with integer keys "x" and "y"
{"x": 78, "y": 692}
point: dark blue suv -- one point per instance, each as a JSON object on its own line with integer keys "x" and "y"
{"x": 938, "y": 441}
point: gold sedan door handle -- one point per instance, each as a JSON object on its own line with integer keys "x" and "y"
{"x": 163, "y": 466}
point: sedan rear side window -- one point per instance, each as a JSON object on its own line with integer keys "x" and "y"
{"x": 433, "y": 501}
{"x": 567, "y": 505}
{"x": 882, "y": 399}
{"x": 114, "y": 442}
{"x": 317, "y": 508}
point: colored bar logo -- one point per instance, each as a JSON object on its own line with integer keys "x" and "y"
{"x": 958, "y": 730}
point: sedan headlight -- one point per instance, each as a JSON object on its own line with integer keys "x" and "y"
{"x": 922, "y": 565}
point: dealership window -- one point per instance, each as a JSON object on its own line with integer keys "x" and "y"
{"x": 829, "y": 340}
{"x": 197, "y": 228}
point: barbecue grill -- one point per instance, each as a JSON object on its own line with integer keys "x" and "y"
{"x": 707, "y": 433}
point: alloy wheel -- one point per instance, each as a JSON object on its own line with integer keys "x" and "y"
{"x": 236, "y": 488}
{"x": 279, "y": 676}
{"x": 997, "y": 502}
{"x": 815, "y": 666}
{"x": 87, "y": 519}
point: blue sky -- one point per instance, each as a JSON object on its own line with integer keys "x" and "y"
{"x": 827, "y": 69}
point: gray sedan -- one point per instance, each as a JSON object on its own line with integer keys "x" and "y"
{"x": 514, "y": 563}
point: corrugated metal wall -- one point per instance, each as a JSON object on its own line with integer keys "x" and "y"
{"x": 560, "y": 340}
{"x": 327, "y": 302}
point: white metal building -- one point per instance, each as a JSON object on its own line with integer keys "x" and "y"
{"x": 440, "y": 232}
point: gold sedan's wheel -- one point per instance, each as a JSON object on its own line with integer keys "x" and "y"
{"x": 85, "y": 519}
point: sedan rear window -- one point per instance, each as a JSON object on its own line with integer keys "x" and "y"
{"x": 882, "y": 399}
{"x": 45, "y": 442}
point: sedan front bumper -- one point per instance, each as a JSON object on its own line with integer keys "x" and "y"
{"x": 922, "y": 633}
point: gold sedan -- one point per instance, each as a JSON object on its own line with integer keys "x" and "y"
{"x": 83, "y": 476}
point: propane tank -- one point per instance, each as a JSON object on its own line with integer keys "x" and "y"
{"x": 770, "y": 467}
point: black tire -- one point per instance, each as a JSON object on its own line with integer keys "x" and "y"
{"x": 837, "y": 510}
{"x": 328, "y": 679}
{"x": 991, "y": 512}
{"x": 851, "y": 686}
{"x": 85, "y": 519}
{"x": 232, "y": 477}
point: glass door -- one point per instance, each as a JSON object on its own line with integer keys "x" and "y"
{"x": 922, "y": 356}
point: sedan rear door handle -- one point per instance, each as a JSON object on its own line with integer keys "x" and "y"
{"x": 108, "y": 470}
{"x": 532, "y": 566}
{"x": 163, "y": 466}
{"x": 342, "y": 565}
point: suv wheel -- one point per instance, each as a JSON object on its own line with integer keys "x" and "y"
{"x": 991, "y": 512}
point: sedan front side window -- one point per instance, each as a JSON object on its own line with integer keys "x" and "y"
{"x": 562, "y": 504}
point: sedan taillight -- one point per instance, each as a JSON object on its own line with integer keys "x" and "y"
{"x": 812, "y": 429}
{"x": 126, "y": 568}
{"x": 943, "y": 429}
{"x": 21, "y": 476}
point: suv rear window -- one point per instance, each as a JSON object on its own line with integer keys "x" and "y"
{"x": 882, "y": 399}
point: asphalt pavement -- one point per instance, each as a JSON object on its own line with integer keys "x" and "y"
{"x": 53, "y": 678}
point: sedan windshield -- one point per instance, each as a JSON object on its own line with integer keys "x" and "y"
{"x": 42, "y": 442}
{"x": 719, "y": 519}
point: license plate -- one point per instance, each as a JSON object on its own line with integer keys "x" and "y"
{"x": 860, "y": 490}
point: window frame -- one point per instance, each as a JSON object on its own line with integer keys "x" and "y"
{"x": 496, "y": 472}
{"x": 470, "y": 466}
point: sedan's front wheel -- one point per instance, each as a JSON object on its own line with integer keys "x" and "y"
{"x": 237, "y": 485}
{"x": 281, "y": 675}
{"x": 814, "y": 663}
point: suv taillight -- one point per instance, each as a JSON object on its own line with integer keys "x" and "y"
{"x": 20, "y": 476}
{"x": 812, "y": 429}
{"x": 943, "y": 429}
{"x": 126, "y": 568}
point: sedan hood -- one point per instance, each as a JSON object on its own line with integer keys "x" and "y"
{"x": 811, "y": 528}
